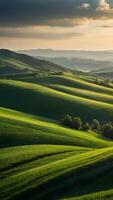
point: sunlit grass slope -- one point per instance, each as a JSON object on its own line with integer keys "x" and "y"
{"x": 71, "y": 81}
{"x": 12, "y": 62}
{"x": 42, "y": 160}
{"x": 88, "y": 94}
{"x": 22, "y": 129}
{"x": 31, "y": 98}
{"x": 59, "y": 177}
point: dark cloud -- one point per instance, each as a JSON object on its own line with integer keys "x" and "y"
{"x": 20, "y": 13}
{"x": 13, "y": 33}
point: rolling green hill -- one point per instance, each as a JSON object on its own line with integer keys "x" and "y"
{"x": 55, "y": 103}
{"x": 40, "y": 159}
{"x": 21, "y": 129}
{"x": 14, "y": 63}
{"x": 52, "y": 172}
{"x": 52, "y": 161}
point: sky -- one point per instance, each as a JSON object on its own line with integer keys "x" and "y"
{"x": 56, "y": 24}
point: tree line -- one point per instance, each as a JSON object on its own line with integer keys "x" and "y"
{"x": 105, "y": 82}
{"x": 77, "y": 123}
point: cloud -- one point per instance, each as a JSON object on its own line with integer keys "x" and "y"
{"x": 102, "y": 5}
{"x": 37, "y": 33}
{"x": 20, "y": 13}
{"x": 85, "y": 6}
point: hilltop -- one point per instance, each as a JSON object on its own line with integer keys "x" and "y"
{"x": 13, "y": 63}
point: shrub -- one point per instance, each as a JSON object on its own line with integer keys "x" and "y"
{"x": 86, "y": 127}
{"x": 67, "y": 120}
{"x": 58, "y": 73}
{"x": 95, "y": 125}
{"x": 77, "y": 123}
{"x": 107, "y": 130}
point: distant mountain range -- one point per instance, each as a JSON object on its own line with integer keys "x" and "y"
{"x": 50, "y": 53}
{"x": 82, "y": 64}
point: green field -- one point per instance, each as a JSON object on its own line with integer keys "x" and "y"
{"x": 39, "y": 154}
{"x": 40, "y": 159}
{"x": 57, "y": 101}
{"x": 13, "y": 63}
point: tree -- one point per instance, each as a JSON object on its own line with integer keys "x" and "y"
{"x": 95, "y": 125}
{"x": 67, "y": 120}
{"x": 107, "y": 130}
{"x": 86, "y": 127}
{"x": 77, "y": 123}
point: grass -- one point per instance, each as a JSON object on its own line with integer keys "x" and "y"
{"x": 52, "y": 161}
{"x": 54, "y": 103}
{"x": 71, "y": 81}
{"x": 22, "y": 129}
{"x": 58, "y": 178}
{"x": 11, "y": 61}
{"x": 14, "y": 63}
{"x": 88, "y": 94}
{"x": 40, "y": 158}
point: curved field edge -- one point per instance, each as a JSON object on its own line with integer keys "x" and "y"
{"x": 54, "y": 103}
{"x": 84, "y": 93}
{"x": 22, "y": 129}
{"x": 56, "y": 162}
{"x": 14, "y": 159}
{"x": 73, "y": 82}
{"x": 88, "y": 171}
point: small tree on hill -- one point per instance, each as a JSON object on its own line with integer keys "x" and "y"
{"x": 96, "y": 125}
{"x": 107, "y": 130}
{"x": 86, "y": 127}
{"x": 77, "y": 123}
{"x": 67, "y": 120}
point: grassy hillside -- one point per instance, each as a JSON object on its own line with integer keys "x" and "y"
{"x": 14, "y": 63}
{"x": 69, "y": 80}
{"x": 21, "y": 129}
{"x": 52, "y": 161}
{"x": 39, "y": 157}
{"x": 54, "y": 177}
{"x": 54, "y": 103}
